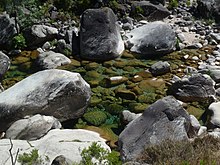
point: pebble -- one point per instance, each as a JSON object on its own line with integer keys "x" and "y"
{"x": 216, "y": 53}
{"x": 202, "y": 130}
{"x": 195, "y": 58}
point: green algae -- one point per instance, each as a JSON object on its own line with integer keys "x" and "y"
{"x": 95, "y": 118}
{"x": 136, "y": 92}
{"x": 115, "y": 109}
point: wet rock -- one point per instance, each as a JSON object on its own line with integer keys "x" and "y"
{"x": 197, "y": 87}
{"x": 165, "y": 119}
{"x": 160, "y": 68}
{"x": 32, "y": 128}
{"x": 125, "y": 94}
{"x": 58, "y": 93}
{"x": 114, "y": 81}
{"x": 100, "y": 38}
{"x": 156, "y": 38}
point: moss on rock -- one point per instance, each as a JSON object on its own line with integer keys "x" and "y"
{"x": 95, "y": 118}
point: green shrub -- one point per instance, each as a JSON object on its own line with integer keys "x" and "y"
{"x": 18, "y": 7}
{"x": 139, "y": 10}
{"x": 113, "y": 4}
{"x": 100, "y": 154}
{"x": 31, "y": 158}
{"x": 188, "y": 3}
{"x": 173, "y": 4}
{"x": 95, "y": 118}
{"x": 19, "y": 42}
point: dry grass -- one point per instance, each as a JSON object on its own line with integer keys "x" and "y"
{"x": 202, "y": 151}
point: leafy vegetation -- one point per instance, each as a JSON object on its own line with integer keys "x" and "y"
{"x": 95, "y": 117}
{"x": 202, "y": 151}
{"x": 173, "y": 4}
{"x": 31, "y": 158}
{"x": 19, "y": 42}
{"x": 101, "y": 155}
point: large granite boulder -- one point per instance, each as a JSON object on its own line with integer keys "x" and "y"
{"x": 51, "y": 60}
{"x": 209, "y": 9}
{"x": 37, "y": 35}
{"x": 196, "y": 87}
{"x": 100, "y": 37}
{"x": 165, "y": 119}
{"x": 68, "y": 143}
{"x": 59, "y": 93}
{"x": 151, "y": 11}
{"x": 156, "y": 38}
{"x": 32, "y": 128}
{"x": 4, "y": 64}
{"x": 7, "y": 29}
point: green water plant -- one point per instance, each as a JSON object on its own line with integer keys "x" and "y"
{"x": 95, "y": 118}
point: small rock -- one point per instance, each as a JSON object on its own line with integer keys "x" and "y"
{"x": 215, "y": 118}
{"x": 51, "y": 60}
{"x": 125, "y": 94}
{"x": 46, "y": 46}
{"x": 202, "y": 131}
{"x": 216, "y": 37}
{"x": 4, "y": 64}
{"x": 37, "y": 35}
{"x": 32, "y": 128}
{"x": 160, "y": 68}
{"x": 195, "y": 58}
{"x": 61, "y": 160}
{"x": 195, "y": 46}
{"x": 195, "y": 87}
{"x": 129, "y": 116}
{"x": 195, "y": 123}
{"x": 113, "y": 81}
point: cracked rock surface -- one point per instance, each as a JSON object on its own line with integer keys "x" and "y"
{"x": 165, "y": 119}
